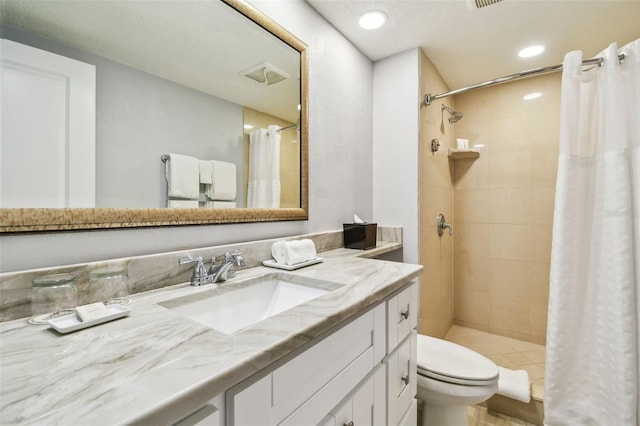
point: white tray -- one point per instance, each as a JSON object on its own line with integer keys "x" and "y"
{"x": 69, "y": 323}
{"x": 273, "y": 264}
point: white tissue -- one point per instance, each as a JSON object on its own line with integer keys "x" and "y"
{"x": 356, "y": 219}
{"x": 462, "y": 143}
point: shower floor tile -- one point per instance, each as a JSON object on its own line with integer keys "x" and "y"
{"x": 480, "y": 416}
{"x": 505, "y": 352}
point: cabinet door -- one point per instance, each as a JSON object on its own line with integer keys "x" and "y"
{"x": 402, "y": 316}
{"x": 365, "y": 405}
{"x": 401, "y": 379}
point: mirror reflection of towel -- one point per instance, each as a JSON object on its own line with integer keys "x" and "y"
{"x": 206, "y": 171}
{"x": 224, "y": 182}
{"x": 183, "y": 177}
{"x": 220, "y": 204}
{"x": 182, "y": 204}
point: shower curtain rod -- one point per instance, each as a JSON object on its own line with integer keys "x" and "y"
{"x": 428, "y": 98}
{"x": 293, "y": 126}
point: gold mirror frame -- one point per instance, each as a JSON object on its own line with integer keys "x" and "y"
{"x": 63, "y": 219}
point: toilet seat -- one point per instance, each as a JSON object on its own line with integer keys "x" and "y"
{"x": 449, "y": 362}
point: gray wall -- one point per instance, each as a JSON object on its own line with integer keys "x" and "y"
{"x": 140, "y": 117}
{"x": 340, "y": 162}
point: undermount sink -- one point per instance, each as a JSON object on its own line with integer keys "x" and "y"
{"x": 236, "y": 309}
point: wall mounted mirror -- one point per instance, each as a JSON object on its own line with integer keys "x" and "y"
{"x": 119, "y": 89}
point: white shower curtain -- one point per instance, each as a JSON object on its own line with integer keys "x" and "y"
{"x": 592, "y": 334}
{"x": 264, "y": 168}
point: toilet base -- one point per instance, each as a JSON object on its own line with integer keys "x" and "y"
{"x": 444, "y": 415}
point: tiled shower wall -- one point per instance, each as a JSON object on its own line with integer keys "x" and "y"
{"x": 436, "y": 283}
{"x": 503, "y": 207}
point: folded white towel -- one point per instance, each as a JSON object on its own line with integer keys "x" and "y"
{"x": 182, "y": 204}
{"x": 293, "y": 252}
{"x": 183, "y": 176}
{"x": 224, "y": 182}
{"x": 206, "y": 171}
{"x": 514, "y": 384}
{"x": 220, "y": 204}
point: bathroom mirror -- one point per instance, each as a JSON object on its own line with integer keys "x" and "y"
{"x": 224, "y": 54}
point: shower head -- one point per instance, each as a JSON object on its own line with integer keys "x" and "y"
{"x": 455, "y": 116}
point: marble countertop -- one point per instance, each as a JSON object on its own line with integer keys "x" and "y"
{"x": 139, "y": 368}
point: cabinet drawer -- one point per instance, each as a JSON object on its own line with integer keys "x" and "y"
{"x": 313, "y": 382}
{"x": 300, "y": 378}
{"x": 402, "y": 315}
{"x": 402, "y": 378}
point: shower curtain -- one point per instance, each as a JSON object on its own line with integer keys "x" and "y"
{"x": 593, "y": 324}
{"x": 264, "y": 168}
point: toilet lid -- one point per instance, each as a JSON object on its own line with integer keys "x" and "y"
{"x": 449, "y": 362}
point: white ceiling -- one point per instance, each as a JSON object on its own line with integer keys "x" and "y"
{"x": 470, "y": 46}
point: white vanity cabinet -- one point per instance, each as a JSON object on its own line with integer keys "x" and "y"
{"x": 361, "y": 374}
{"x": 402, "y": 322}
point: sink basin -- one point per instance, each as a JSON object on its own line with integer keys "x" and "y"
{"x": 240, "y": 308}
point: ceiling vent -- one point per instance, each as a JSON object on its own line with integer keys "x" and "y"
{"x": 265, "y": 73}
{"x": 479, "y": 4}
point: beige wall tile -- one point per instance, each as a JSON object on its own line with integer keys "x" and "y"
{"x": 542, "y": 203}
{"x": 472, "y": 307}
{"x": 510, "y": 205}
{"x": 471, "y": 239}
{"x": 502, "y": 205}
{"x": 435, "y": 196}
{"x": 471, "y": 272}
{"x": 471, "y": 206}
{"x": 541, "y": 243}
{"x": 511, "y": 242}
{"x": 544, "y": 166}
{"x": 510, "y": 169}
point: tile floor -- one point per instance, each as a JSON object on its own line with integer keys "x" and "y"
{"x": 505, "y": 352}
{"x": 480, "y": 416}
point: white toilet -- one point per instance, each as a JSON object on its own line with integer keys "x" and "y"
{"x": 451, "y": 377}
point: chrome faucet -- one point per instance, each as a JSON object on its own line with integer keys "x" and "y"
{"x": 216, "y": 273}
{"x": 224, "y": 271}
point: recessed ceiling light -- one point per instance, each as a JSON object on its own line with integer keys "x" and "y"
{"x": 372, "y": 20}
{"x": 530, "y": 51}
{"x": 532, "y": 95}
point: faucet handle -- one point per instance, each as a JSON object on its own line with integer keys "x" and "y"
{"x": 199, "y": 272}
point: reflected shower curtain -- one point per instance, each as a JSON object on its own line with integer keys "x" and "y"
{"x": 592, "y": 333}
{"x": 264, "y": 168}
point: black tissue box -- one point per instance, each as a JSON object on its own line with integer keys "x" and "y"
{"x": 360, "y": 235}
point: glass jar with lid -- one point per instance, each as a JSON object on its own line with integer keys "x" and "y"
{"x": 109, "y": 284}
{"x": 52, "y": 293}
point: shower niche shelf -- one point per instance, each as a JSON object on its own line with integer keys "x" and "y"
{"x": 463, "y": 154}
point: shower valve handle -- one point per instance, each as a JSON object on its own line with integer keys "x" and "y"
{"x": 441, "y": 224}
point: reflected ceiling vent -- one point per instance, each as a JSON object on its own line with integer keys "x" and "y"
{"x": 265, "y": 73}
{"x": 479, "y": 4}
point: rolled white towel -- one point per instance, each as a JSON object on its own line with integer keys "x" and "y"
{"x": 293, "y": 252}
{"x": 300, "y": 251}
{"x": 514, "y": 384}
{"x": 279, "y": 252}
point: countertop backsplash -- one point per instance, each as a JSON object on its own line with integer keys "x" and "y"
{"x": 155, "y": 271}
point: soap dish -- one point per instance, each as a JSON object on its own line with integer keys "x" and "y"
{"x": 69, "y": 323}
{"x": 273, "y": 264}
